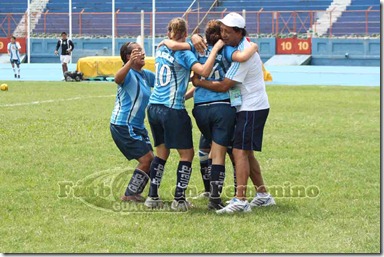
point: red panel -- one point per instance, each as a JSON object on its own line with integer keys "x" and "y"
{"x": 4, "y": 43}
{"x": 293, "y": 46}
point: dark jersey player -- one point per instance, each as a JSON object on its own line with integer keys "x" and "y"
{"x": 67, "y": 47}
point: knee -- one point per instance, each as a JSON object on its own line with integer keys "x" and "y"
{"x": 145, "y": 162}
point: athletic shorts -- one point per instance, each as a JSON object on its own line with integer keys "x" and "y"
{"x": 204, "y": 143}
{"x": 216, "y": 122}
{"x": 65, "y": 58}
{"x": 134, "y": 143}
{"x": 249, "y": 129}
{"x": 15, "y": 61}
{"x": 172, "y": 127}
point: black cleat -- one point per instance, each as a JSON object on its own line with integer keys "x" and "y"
{"x": 215, "y": 205}
{"x": 15, "y": 76}
{"x": 18, "y": 76}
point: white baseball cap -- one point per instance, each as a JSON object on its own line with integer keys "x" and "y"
{"x": 233, "y": 19}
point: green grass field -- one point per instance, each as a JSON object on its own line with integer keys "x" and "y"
{"x": 325, "y": 140}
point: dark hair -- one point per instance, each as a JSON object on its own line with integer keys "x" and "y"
{"x": 125, "y": 50}
{"x": 13, "y": 37}
{"x": 212, "y": 32}
{"x": 243, "y": 31}
{"x": 63, "y": 33}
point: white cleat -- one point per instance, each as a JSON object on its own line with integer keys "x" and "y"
{"x": 235, "y": 205}
{"x": 202, "y": 196}
{"x": 181, "y": 205}
{"x": 153, "y": 202}
{"x": 263, "y": 199}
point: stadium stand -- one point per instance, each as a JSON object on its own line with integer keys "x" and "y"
{"x": 353, "y": 21}
{"x": 92, "y": 18}
{"x": 10, "y": 14}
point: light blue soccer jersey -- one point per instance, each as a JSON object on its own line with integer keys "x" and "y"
{"x": 222, "y": 63}
{"x": 173, "y": 69}
{"x": 132, "y": 99}
{"x": 13, "y": 48}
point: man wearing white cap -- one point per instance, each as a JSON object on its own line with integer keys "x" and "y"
{"x": 245, "y": 83}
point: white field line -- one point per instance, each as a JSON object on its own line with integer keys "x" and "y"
{"x": 55, "y": 100}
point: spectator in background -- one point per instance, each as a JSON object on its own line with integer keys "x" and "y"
{"x": 13, "y": 49}
{"x": 67, "y": 47}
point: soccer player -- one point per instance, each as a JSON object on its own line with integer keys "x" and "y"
{"x": 13, "y": 49}
{"x": 214, "y": 114}
{"x": 127, "y": 120}
{"x": 67, "y": 47}
{"x": 251, "y": 100}
{"x": 170, "y": 123}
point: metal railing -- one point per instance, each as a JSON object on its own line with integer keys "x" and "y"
{"x": 362, "y": 23}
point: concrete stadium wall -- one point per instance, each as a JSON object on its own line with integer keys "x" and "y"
{"x": 346, "y": 52}
{"x": 361, "y": 52}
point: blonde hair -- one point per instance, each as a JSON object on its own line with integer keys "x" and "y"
{"x": 177, "y": 28}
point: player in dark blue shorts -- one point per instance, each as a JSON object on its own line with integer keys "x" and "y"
{"x": 127, "y": 120}
{"x": 213, "y": 112}
{"x": 170, "y": 123}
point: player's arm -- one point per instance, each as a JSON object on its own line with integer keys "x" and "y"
{"x": 243, "y": 56}
{"x": 9, "y": 49}
{"x": 217, "y": 86}
{"x": 57, "y": 47}
{"x": 123, "y": 71}
{"x": 174, "y": 45}
{"x": 72, "y": 46}
{"x": 206, "y": 68}
{"x": 18, "y": 46}
{"x": 189, "y": 93}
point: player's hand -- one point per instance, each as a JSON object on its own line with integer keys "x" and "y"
{"x": 198, "y": 43}
{"x": 195, "y": 80}
{"x": 219, "y": 44}
{"x": 255, "y": 46}
{"x": 56, "y": 52}
{"x": 135, "y": 54}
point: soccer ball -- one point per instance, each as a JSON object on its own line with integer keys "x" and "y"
{"x": 4, "y": 87}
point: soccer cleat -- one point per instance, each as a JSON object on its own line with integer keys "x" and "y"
{"x": 153, "y": 202}
{"x": 202, "y": 195}
{"x": 18, "y": 76}
{"x": 235, "y": 205}
{"x": 133, "y": 198}
{"x": 262, "y": 200}
{"x": 215, "y": 205}
{"x": 15, "y": 76}
{"x": 181, "y": 205}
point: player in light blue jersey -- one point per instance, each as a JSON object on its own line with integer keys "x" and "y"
{"x": 213, "y": 112}
{"x": 170, "y": 123}
{"x": 251, "y": 101}
{"x": 13, "y": 49}
{"x": 127, "y": 120}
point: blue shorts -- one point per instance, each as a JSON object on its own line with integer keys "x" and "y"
{"x": 204, "y": 143}
{"x": 134, "y": 143}
{"x": 172, "y": 127}
{"x": 249, "y": 129}
{"x": 17, "y": 61}
{"x": 216, "y": 122}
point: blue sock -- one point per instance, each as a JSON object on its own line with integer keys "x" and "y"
{"x": 184, "y": 171}
{"x": 156, "y": 174}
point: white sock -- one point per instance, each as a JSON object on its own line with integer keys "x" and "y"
{"x": 18, "y": 72}
{"x": 262, "y": 195}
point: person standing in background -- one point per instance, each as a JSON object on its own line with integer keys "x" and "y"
{"x": 13, "y": 49}
{"x": 67, "y": 47}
